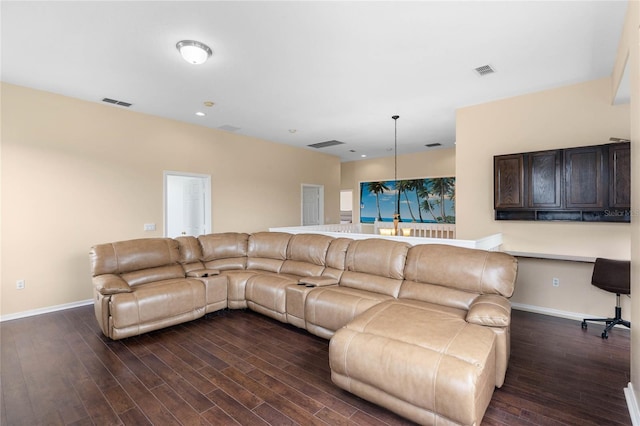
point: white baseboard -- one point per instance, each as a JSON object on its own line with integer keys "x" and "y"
{"x": 46, "y": 310}
{"x": 632, "y": 403}
{"x": 577, "y": 316}
{"x": 549, "y": 311}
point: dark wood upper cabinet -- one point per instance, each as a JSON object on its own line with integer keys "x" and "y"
{"x": 585, "y": 177}
{"x": 620, "y": 176}
{"x": 509, "y": 178}
{"x": 544, "y": 179}
{"x": 591, "y": 183}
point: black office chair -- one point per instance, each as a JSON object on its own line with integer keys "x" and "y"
{"x": 613, "y": 276}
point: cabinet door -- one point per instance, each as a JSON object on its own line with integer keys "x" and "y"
{"x": 508, "y": 181}
{"x": 544, "y": 179}
{"x": 620, "y": 176}
{"x": 585, "y": 177}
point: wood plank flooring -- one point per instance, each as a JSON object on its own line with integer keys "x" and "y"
{"x": 238, "y": 367}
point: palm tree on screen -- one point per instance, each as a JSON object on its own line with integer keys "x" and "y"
{"x": 377, "y": 188}
{"x": 404, "y": 186}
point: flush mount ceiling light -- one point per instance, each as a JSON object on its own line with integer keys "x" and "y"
{"x": 193, "y": 51}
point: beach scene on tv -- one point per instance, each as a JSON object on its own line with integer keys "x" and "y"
{"x": 426, "y": 200}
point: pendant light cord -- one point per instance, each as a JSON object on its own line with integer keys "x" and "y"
{"x": 396, "y": 215}
{"x": 395, "y": 148}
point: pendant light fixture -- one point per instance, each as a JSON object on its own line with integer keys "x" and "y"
{"x": 193, "y": 51}
{"x": 396, "y": 214}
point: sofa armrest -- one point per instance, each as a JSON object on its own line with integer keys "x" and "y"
{"x": 110, "y": 284}
{"x": 199, "y": 273}
{"x": 491, "y": 310}
{"x": 317, "y": 281}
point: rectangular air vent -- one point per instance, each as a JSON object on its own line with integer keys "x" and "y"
{"x": 325, "y": 144}
{"x": 115, "y": 102}
{"x": 485, "y": 70}
{"x": 229, "y": 128}
{"x": 433, "y": 145}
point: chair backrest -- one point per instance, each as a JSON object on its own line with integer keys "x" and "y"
{"x": 612, "y": 275}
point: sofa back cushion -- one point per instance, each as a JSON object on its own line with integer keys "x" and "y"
{"x": 454, "y": 276}
{"x": 190, "y": 253}
{"x": 336, "y": 258}
{"x": 375, "y": 265}
{"x": 267, "y": 250}
{"x": 138, "y": 261}
{"x": 306, "y": 255}
{"x": 223, "y": 251}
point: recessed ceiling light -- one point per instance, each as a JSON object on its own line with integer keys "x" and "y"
{"x": 292, "y": 130}
{"x": 208, "y": 104}
{"x": 363, "y": 155}
{"x": 200, "y": 114}
{"x": 193, "y": 51}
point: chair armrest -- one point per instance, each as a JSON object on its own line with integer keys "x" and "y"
{"x": 110, "y": 284}
{"x": 200, "y": 273}
{"x": 490, "y": 309}
{"x": 317, "y": 281}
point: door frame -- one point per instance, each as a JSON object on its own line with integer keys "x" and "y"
{"x": 320, "y": 202}
{"x": 207, "y": 198}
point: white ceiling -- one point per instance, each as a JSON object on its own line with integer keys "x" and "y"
{"x": 330, "y": 70}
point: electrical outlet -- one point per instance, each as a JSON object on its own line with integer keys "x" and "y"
{"x": 149, "y": 226}
{"x": 20, "y": 284}
{"x": 555, "y": 282}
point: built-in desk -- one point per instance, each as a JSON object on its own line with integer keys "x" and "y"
{"x": 549, "y": 256}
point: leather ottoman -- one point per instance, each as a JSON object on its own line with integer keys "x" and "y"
{"x": 420, "y": 360}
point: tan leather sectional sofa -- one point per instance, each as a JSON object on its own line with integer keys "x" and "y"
{"x": 421, "y": 330}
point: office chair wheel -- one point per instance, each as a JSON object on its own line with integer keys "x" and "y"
{"x": 605, "y": 335}
{"x": 584, "y": 324}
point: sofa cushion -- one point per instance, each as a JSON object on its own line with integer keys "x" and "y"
{"x": 266, "y": 293}
{"x": 423, "y": 362}
{"x": 376, "y": 256}
{"x": 151, "y": 275}
{"x": 190, "y": 253}
{"x": 336, "y": 257}
{"x": 226, "y": 250}
{"x": 329, "y": 308}
{"x": 133, "y": 255}
{"x": 267, "y": 251}
{"x": 158, "y": 301}
{"x": 310, "y": 248}
{"x": 306, "y": 254}
{"x": 470, "y": 270}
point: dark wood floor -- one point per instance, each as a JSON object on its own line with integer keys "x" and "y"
{"x": 240, "y": 367}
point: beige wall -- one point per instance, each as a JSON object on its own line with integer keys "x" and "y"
{"x": 574, "y": 115}
{"x": 77, "y": 173}
{"x": 569, "y": 116}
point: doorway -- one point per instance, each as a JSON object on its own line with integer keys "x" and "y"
{"x": 312, "y": 205}
{"x": 187, "y": 204}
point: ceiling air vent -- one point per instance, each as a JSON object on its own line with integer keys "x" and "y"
{"x": 229, "y": 128}
{"x": 433, "y": 145}
{"x": 325, "y": 144}
{"x": 115, "y": 102}
{"x": 484, "y": 70}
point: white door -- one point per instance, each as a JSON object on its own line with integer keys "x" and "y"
{"x": 312, "y": 205}
{"x": 187, "y": 204}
